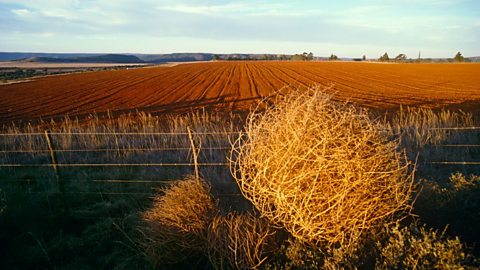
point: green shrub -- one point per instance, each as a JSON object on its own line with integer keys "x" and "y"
{"x": 454, "y": 203}
{"x": 416, "y": 247}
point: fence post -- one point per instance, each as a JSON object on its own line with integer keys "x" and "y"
{"x": 60, "y": 183}
{"x": 195, "y": 157}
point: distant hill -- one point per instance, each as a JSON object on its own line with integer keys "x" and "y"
{"x": 474, "y": 58}
{"x": 107, "y": 58}
{"x": 12, "y": 56}
{"x": 128, "y": 58}
{"x": 110, "y": 58}
{"x": 175, "y": 57}
{"x": 104, "y": 58}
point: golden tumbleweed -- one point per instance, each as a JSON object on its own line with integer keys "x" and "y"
{"x": 321, "y": 169}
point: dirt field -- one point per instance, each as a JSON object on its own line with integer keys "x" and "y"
{"x": 234, "y": 85}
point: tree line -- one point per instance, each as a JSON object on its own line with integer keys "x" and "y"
{"x": 310, "y": 57}
{"x": 403, "y": 58}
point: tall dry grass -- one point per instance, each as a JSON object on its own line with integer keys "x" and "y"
{"x": 422, "y": 132}
{"x": 87, "y": 134}
{"x": 419, "y": 127}
{"x": 321, "y": 169}
{"x": 239, "y": 241}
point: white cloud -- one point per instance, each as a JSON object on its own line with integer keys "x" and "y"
{"x": 236, "y": 8}
{"x": 21, "y": 12}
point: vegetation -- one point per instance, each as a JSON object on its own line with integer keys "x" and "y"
{"x": 99, "y": 227}
{"x": 177, "y": 223}
{"x": 205, "y": 222}
{"x": 302, "y": 57}
{"x": 384, "y": 58}
{"x": 353, "y": 175}
{"x": 459, "y": 57}
{"x": 416, "y": 247}
{"x": 333, "y": 57}
{"x": 12, "y": 74}
{"x": 401, "y": 58}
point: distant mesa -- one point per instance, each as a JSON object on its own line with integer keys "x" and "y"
{"x": 104, "y": 58}
{"x": 108, "y": 58}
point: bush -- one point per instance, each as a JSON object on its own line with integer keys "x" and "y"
{"x": 456, "y": 203}
{"x": 323, "y": 170}
{"x": 415, "y": 247}
{"x": 185, "y": 226}
{"x": 176, "y": 225}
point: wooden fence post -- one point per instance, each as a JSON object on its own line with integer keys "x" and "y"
{"x": 195, "y": 154}
{"x": 60, "y": 183}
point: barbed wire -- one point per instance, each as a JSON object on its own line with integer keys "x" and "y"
{"x": 115, "y": 193}
{"x": 457, "y": 145}
{"x": 455, "y": 128}
{"x": 455, "y": 162}
{"x": 115, "y": 149}
{"x": 121, "y": 133}
{"x": 177, "y": 133}
{"x": 115, "y": 164}
{"x": 90, "y": 180}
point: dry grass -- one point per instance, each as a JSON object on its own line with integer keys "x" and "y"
{"x": 323, "y": 170}
{"x": 178, "y": 221}
{"x": 139, "y": 122}
{"x": 238, "y": 241}
{"x": 419, "y": 127}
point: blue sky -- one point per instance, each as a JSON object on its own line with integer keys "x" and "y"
{"x": 437, "y": 28}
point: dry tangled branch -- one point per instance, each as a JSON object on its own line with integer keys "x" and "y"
{"x": 238, "y": 241}
{"x": 177, "y": 224}
{"x": 323, "y": 170}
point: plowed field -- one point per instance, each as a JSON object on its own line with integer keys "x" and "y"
{"x": 234, "y": 85}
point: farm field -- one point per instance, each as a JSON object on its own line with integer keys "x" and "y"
{"x": 234, "y": 85}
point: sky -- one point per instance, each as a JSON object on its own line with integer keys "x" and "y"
{"x": 347, "y": 28}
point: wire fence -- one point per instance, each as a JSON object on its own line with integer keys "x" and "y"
{"x": 43, "y": 151}
{"x": 51, "y": 151}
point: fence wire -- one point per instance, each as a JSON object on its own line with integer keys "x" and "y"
{"x": 121, "y": 133}
{"x": 185, "y": 164}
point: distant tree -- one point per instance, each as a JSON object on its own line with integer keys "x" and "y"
{"x": 333, "y": 57}
{"x": 459, "y": 57}
{"x": 384, "y": 58}
{"x": 364, "y": 58}
{"x": 215, "y": 57}
{"x": 282, "y": 57}
{"x": 310, "y": 56}
{"x": 401, "y": 57}
{"x": 298, "y": 57}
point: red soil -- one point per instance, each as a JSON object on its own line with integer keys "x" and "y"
{"x": 235, "y": 85}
